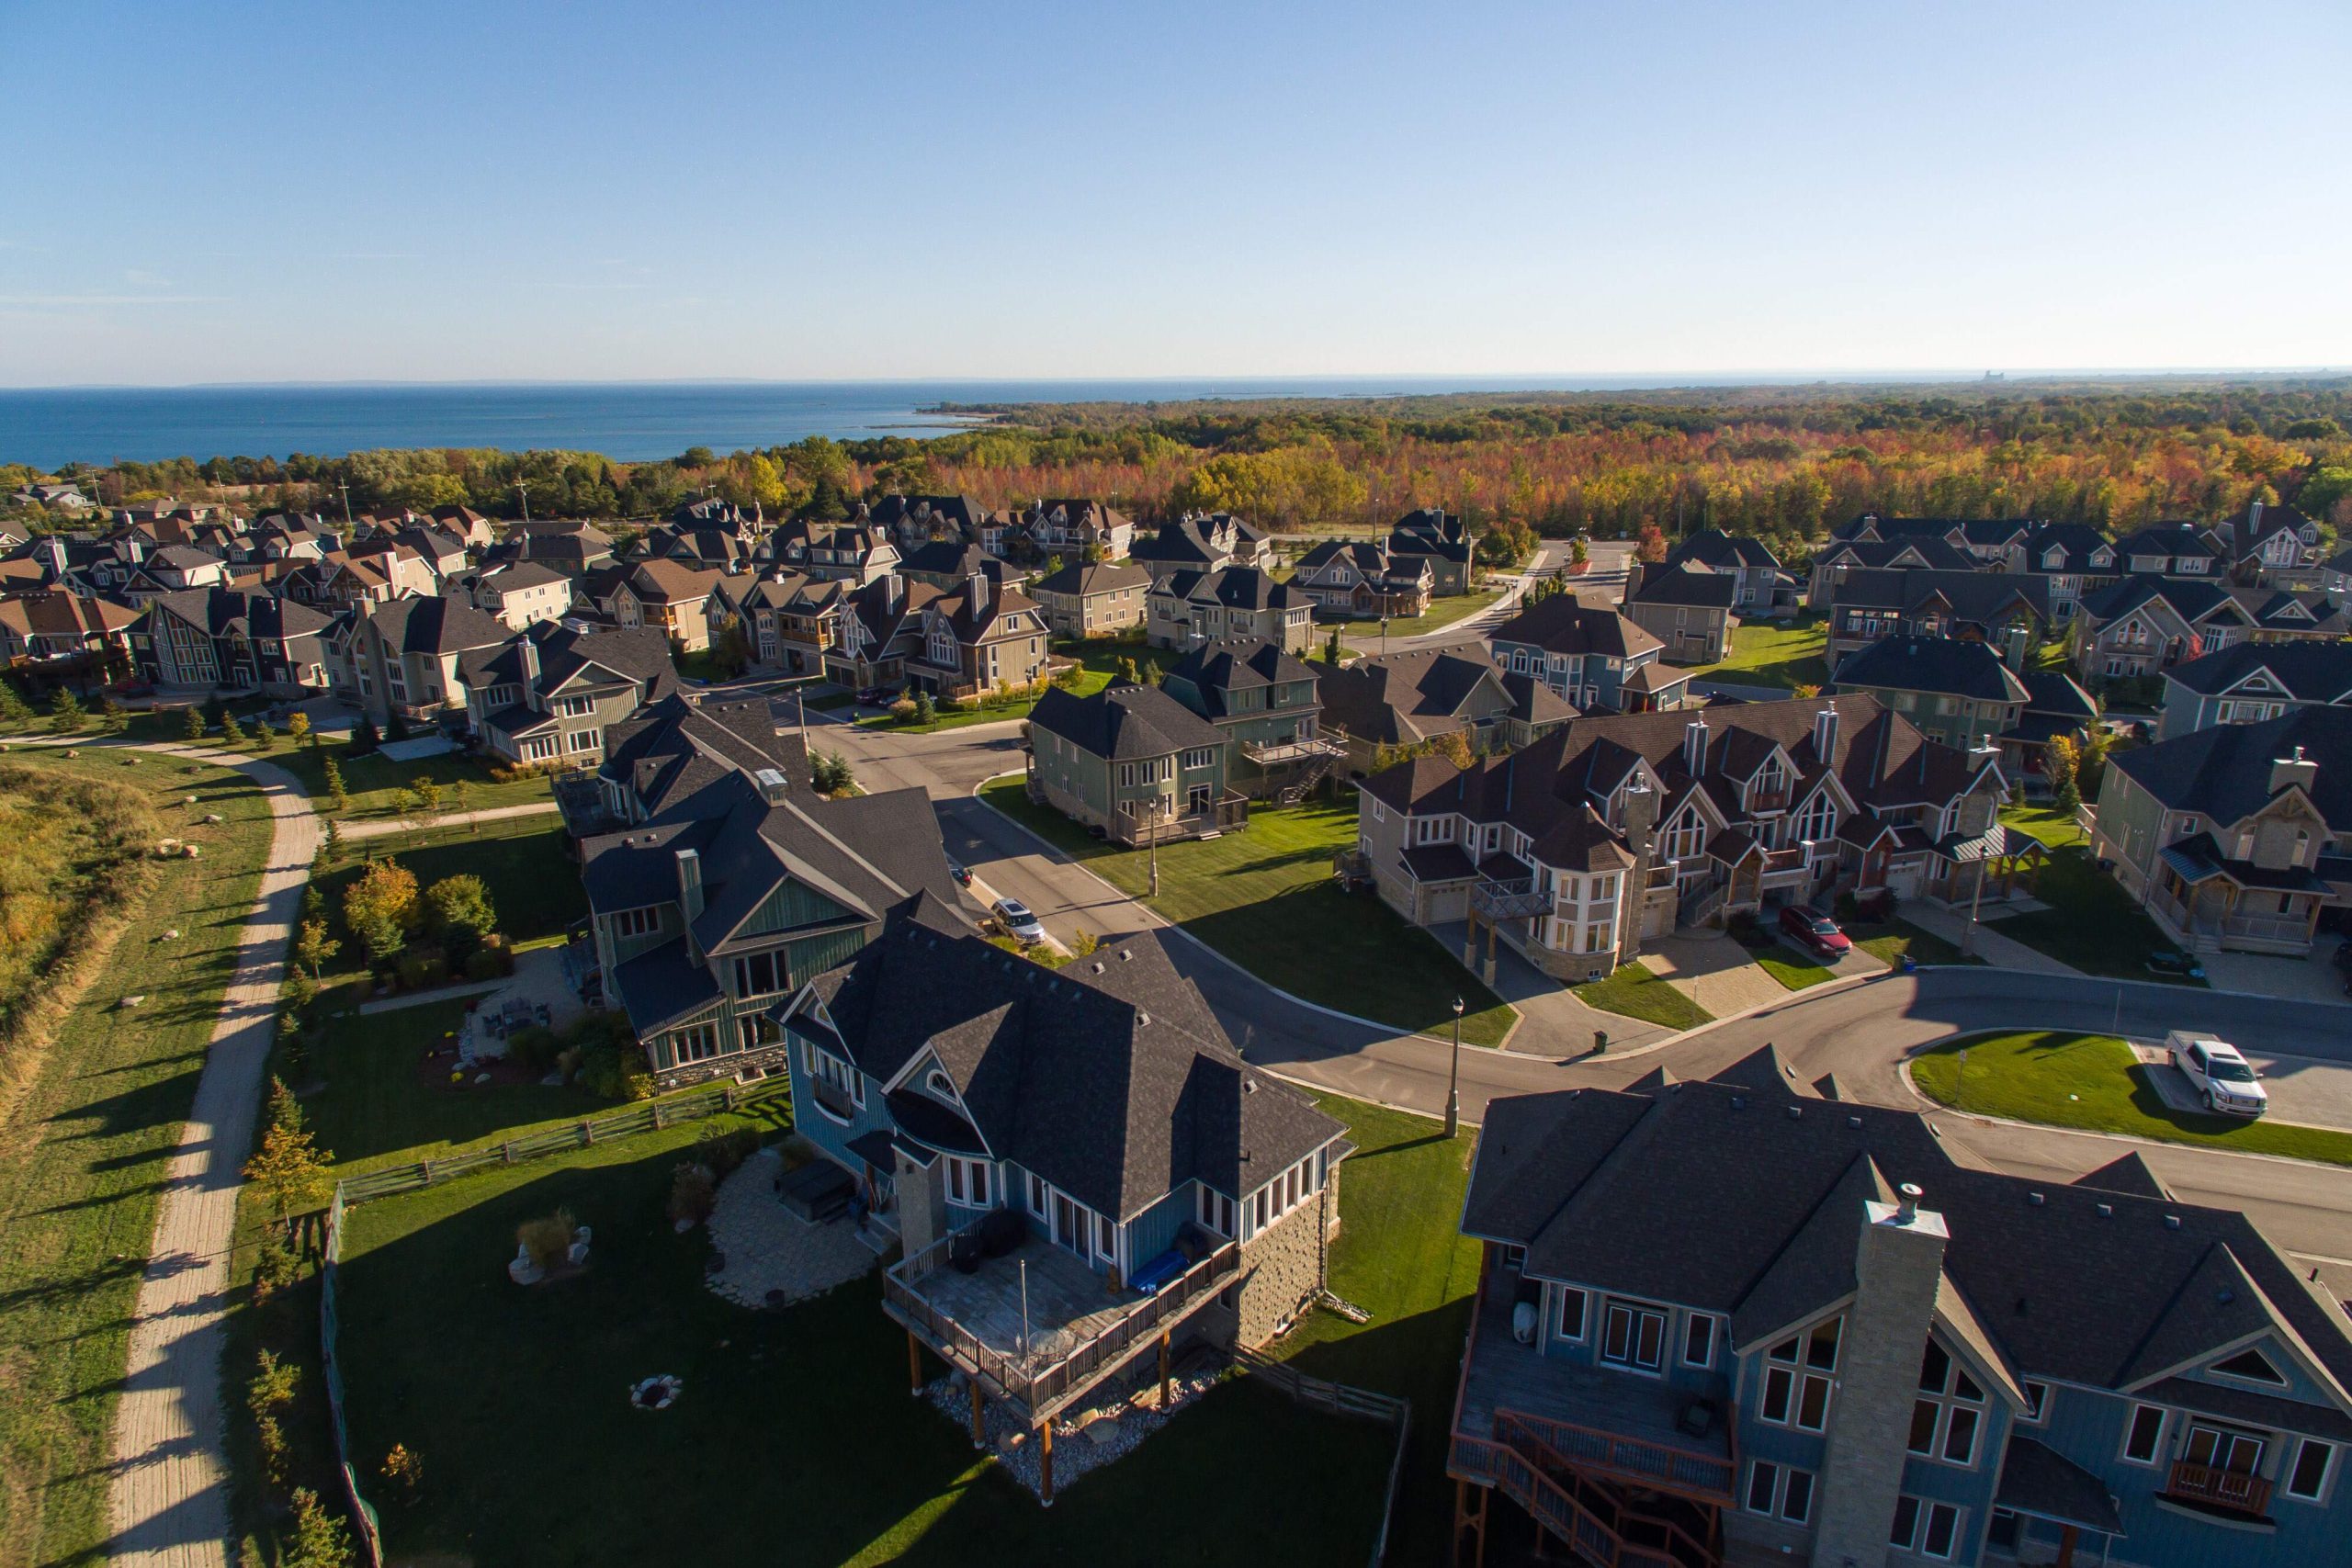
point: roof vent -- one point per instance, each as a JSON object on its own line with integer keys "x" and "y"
{"x": 1249, "y": 1086}
{"x": 1739, "y": 1102}
{"x": 2106, "y": 1211}
{"x": 1097, "y": 967}
{"x": 2034, "y": 1199}
{"x": 1124, "y": 955}
{"x": 1142, "y": 1017}
{"x": 2225, "y": 1295}
{"x": 2172, "y": 1222}
{"x": 1853, "y": 1121}
{"x": 1796, "y": 1113}
{"x": 1908, "y": 1208}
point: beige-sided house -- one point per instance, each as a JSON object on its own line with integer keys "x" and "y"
{"x": 1099, "y": 600}
{"x": 1189, "y": 607}
{"x": 1687, "y": 607}
{"x": 549, "y": 693}
{"x": 1396, "y": 701}
{"x": 521, "y": 592}
{"x": 401, "y": 658}
{"x": 667, "y": 594}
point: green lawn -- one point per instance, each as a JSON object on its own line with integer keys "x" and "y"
{"x": 374, "y": 782}
{"x": 1894, "y": 940}
{"x": 82, "y": 1150}
{"x": 803, "y": 1414}
{"x": 1776, "y": 653}
{"x": 2052, "y": 826}
{"x": 1442, "y": 614}
{"x": 1793, "y": 969}
{"x": 1636, "y": 992}
{"x": 2091, "y": 923}
{"x": 533, "y": 886}
{"x": 2064, "y": 1079}
{"x": 1264, "y": 898}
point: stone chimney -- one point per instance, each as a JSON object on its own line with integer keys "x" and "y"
{"x": 1898, "y": 1263}
{"x": 977, "y": 590}
{"x": 2296, "y": 769}
{"x": 528, "y": 653}
{"x": 1641, "y": 837}
{"x": 2013, "y": 649}
{"x": 690, "y": 884}
{"x": 894, "y": 593}
{"x": 1695, "y": 748}
{"x": 1824, "y": 733}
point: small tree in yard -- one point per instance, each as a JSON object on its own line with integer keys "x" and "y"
{"x": 461, "y": 913}
{"x": 428, "y": 794}
{"x": 14, "y": 709}
{"x": 297, "y": 728}
{"x": 290, "y": 1172}
{"x": 1579, "y": 551}
{"x": 194, "y": 723}
{"x": 2059, "y": 761}
{"x": 926, "y": 711}
{"x": 65, "y": 715}
{"x": 315, "y": 947}
{"x": 403, "y": 1471}
{"x": 321, "y": 1539}
{"x": 395, "y": 727}
{"x": 269, "y": 1395}
{"x": 330, "y": 847}
{"x": 337, "y": 796}
{"x": 458, "y": 790}
{"x": 231, "y": 732}
{"x": 263, "y": 735}
{"x": 363, "y": 738}
{"x": 829, "y": 773}
{"x": 1651, "y": 546}
{"x": 1454, "y": 747}
{"x": 113, "y": 718}
{"x": 2090, "y": 762}
{"x": 1331, "y": 649}
{"x": 381, "y": 908}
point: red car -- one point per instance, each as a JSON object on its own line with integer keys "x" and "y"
{"x": 1814, "y": 932}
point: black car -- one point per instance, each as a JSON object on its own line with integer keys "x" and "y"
{"x": 2177, "y": 965}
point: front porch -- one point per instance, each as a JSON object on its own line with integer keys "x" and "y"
{"x": 1999, "y": 866}
{"x": 2208, "y": 903}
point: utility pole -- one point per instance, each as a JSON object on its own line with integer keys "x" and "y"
{"x": 345, "y": 486}
{"x": 523, "y": 488}
{"x": 1968, "y": 937}
{"x": 1454, "y": 1077}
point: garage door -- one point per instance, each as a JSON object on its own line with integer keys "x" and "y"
{"x": 1441, "y": 904}
{"x": 1903, "y": 878}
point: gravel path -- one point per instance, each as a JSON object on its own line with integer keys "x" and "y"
{"x": 170, "y": 1491}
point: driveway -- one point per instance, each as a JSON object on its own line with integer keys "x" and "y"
{"x": 2315, "y": 978}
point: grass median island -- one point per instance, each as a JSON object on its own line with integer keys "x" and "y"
{"x": 2061, "y": 1078}
{"x": 1263, "y": 897}
{"x": 515, "y": 1402}
{"x": 101, "y": 1096}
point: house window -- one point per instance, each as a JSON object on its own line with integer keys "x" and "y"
{"x": 2141, "y": 1433}
{"x": 1931, "y": 1530}
{"x": 1572, "y": 1306}
{"x": 1203, "y": 758}
{"x": 580, "y": 740}
{"x": 967, "y": 1181}
{"x": 1950, "y": 1411}
{"x": 760, "y": 973}
{"x": 1038, "y": 1195}
{"x": 697, "y": 1044}
{"x": 1796, "y": 1378}
{"x": 758, "y": 1030}
{"x": 1217, "y": 1212}
{"x": 2252, "y": 1366}
{"x": 2307, "y": 1477}
{"x": 1632, "y": 1337}
{"x": 1780, "y": 1491}
{"x": 1698, "y": 1340}
{"x": 637, "y": 923}
{"x": 2037, "y": 1403}
{"x": 1106, "y": 1238}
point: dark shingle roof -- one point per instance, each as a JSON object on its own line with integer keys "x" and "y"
{"x": 438, "y": 625}
{"x": 1234, "y": 587}
{"x": 1237, "y": 664}
{"x": 1101, "y": 577}
{"x": 1944, "y": 665}
{"x": 1723, "y": 551}
{"x": 2309, "y": 672}
{"x": 1563, "y": 624}
{"x": 1123, "y": 722}
{"x": 1978, "y": 597}
{"x": 2224, "y": 771}
{"x": 1684, "y": 585}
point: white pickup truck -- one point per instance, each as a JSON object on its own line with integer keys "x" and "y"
{"x": 2224, "y": 1079}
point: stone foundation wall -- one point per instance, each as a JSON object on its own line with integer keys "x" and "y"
{"x": 768, "y": 1058}
{"x": 1283, "y": 1266}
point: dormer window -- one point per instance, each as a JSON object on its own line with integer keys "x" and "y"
{"x": 2254, "y": 1367}
{"x": 940, "y": 1084}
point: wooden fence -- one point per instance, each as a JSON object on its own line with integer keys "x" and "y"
{"x": 637, "y": 1120}
{"x": 1342, "y": 1399}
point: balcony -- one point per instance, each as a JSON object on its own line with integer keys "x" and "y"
{"x": 1043, "y": 1334}
{"x": 2227, "y": 1490}
{"x": 1781, "y": 866}
{"x": 1511, "y": 898}
{"x": 1281, "y": 754}
{"x": 828, "y": 1096}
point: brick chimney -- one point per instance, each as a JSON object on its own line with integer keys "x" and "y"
{"x": 977, "y": 591}
{"x": 1898, "y": 1263}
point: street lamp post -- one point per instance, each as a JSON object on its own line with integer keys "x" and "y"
{"x": 1453, "y": 1077}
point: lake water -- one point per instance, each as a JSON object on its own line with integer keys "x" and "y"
{"x": 631, "y": 422}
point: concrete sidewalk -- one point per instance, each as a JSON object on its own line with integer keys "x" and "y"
{"x": 385, "y": 827}
{"x": 2001, "y": 952}
{"x": 1554, "y": 1020}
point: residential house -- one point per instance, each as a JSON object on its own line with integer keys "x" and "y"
{"x": 1589, "y": 656}
{"x": 877, "y": 632}
{"x": 1133, "y": 761}
{"x": 550, "y": 692}
{"x": 1430, "y": 535}
{"x": 977, "y": 641}
{"x": 2238, "y": 836}
{"x": 221, "y": 639}
{"x": 1688, "y": 608}
{"x": 709, "y": 920}
{"x": 469, "y": 527}
{"x": 846, "y": 554}
{"x": 569, "y": 545}
{"x": 1610, "y": 831}
{"x": 714, "y": 546}
{"x": 1759, "y": 586}
{"x": 62, "y": 497}
{"x": 522, "y": 592}
{"x": 2271, "y": 543}
{"x": 1156, "y": 1190}
{"x": 2336, "y": 576}
{"x": 1749, "y": 1320}
{"x": 2248, "y": 683}
{"x": 1202, "y": 542}
{"x": 1394, "y": 702}
{"x": 948, "y": 564}
{"x": 660, "y": 760}
{"x": 914, "y": 521}
{"x": 790, "y": 619}
{"x": 2140, "y": 625}
{"x": 1958, "y": 692}
{"x": 288, "y": 536}
{"x": 664, "y": 594}
{"x": 2005, "y": 609}
{"x": 172, "y": 569}
{"x": 1101, "y": 600}
{"x": 53, "y": 627}
{"x": 337, "y": 581}
{"x": 2173, "y": 549}
{"x": 1083, "y": 530}
{"x": 1357, "y": 580}
{"x": 2073, "y": 560}
{"x": 1187, "y": 607}
{"x": 1835, "y": 561}
{"x": 402, "y": 658}
{"x": 1263, "y": 699}
{"x": 2055, "y": 704}
{"x": 1991, "y": 541}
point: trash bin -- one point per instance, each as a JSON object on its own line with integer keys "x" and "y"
{"x": 1600, "y": 1040}
{"x": 1910, "y": 965}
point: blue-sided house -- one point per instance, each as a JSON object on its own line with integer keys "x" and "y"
{"x": 1742, "y": 1321}
{"x": 1080, "y": 1169}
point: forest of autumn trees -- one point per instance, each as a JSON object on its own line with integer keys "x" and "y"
{"x": 1785, "y": 464}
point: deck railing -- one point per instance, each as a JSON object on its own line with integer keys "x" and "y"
{"x": 1637, "y": 1460}
{"x": 2219, "y": 1488}
{"x": 1045, "y": 1386}
{"x": 1508, "y": 898}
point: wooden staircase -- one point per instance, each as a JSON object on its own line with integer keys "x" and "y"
{"x": 1303, "y": 786}
{"x": 1592, "y": 1517}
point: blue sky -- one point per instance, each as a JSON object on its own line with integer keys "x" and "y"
{"x": 424, "y": 191}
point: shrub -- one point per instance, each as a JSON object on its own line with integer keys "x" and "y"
{"x": 423, "y": 966}
{"x": 276, "y": 1269}
{"x": 693, "y": 1195}
{"x": 1746, "y": 928}
{"x": 534, "y": 1049}
{"x": 461, "y": 913}
{"x": 403, "y": 1471}
{"x": 1845, "y": 908}
{"x": 722, "y": 1154}
{"x": 617, "y": 1072}
{"x": 547, "y": 1237}
{"x": 489, "y": 963}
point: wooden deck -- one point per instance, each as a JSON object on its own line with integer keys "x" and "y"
{"x": 1068, "y": 1304}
